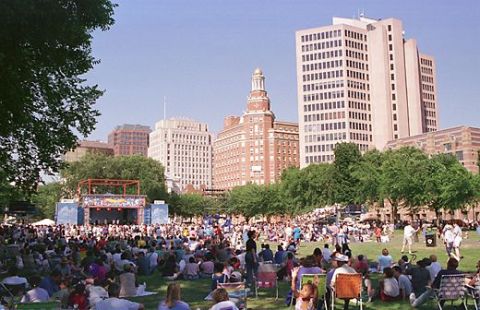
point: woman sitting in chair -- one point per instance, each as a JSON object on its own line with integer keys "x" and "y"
{"x": 307, "y": 296}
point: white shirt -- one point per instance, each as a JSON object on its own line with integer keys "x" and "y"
{"x": 327, "y": 254}
{"x": 117, "y": 304}
{"x": 224, "y": 305}
{"x": 390, "y": 287}
{"x": 408, "y": 231}
{"x": 153, "y": 259}
{"x": 434, "y": 268}
{"x": 96, "y": 294}
{"x": 37, "y": 294}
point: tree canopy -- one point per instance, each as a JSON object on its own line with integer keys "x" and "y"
{"x": 97, "y": 166}
{"x": 44, "y": 98}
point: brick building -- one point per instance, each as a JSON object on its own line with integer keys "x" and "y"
{"x": 254, "y": 147}
{"x": 85, "y": 147}
{"x": 130, "y": 140}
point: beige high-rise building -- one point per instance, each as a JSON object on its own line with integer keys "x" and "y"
{"x": 184, "y": 147}
{"x": 85, "y": 147}
{"x": 254, "y": 147}
{"x": 359, "y": 80}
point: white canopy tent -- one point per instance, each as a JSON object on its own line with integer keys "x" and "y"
{"x": 44, "y": 222}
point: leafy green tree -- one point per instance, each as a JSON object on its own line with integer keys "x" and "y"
{"x": 404, "y": 179}
{"x": 322, "y": 188}
{"x": 247, "y": 200}
{"x": 97, "y": 166}
{"x": 45, "y": 102}
{"x": 346, "y": 156}
{"x": 449, "y": 185}
{"x": 46, "y": 198}
{"x": 368, "y": 173}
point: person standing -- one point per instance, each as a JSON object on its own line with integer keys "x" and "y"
{"x": 251, "y": 260}
{"x": 408, "y": 233}
{"x": 457, "y": 241}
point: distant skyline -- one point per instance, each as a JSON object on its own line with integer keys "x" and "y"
{"x": 200, "y": 55}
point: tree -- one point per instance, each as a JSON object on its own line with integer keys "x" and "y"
{"x": 404, "y": 174}
{"x": 368, "y": 173}
{"x": 346, "y": 156}
{"x": 97, "y": 166}
{"x": 449, "y": 185}
{"x": 46, "y": 198}
{"x": 45, "y": 102}
{"x": 247, "y": 200}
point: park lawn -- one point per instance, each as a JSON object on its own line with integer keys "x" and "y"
{"x": 194, "y": 292}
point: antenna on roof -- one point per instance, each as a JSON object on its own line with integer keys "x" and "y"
{"x": 363, "y": 13}
{"x": 164, "y": 107}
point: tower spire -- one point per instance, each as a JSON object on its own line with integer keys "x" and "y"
{"x": 258, "y": 80}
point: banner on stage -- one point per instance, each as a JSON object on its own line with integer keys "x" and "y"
{"x": 67, "y": 213}
{"x": 113, "y": 201}
{"x": 159, "y": 213}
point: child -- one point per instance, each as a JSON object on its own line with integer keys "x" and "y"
{"x": 307, "y": 297}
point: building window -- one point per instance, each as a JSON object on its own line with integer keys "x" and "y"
{"x": 389, "y": 27}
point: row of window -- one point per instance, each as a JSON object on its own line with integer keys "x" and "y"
{"x": 428, "y": 96}
{"x": 321, "y": 35}
{"x": 427, "y": 79}
{"x": 322, "y": 65}
{"x": 426, "y": 62}
{"x": 358, "y": 85}
{"x": 322, "y": 55}
{"x": 428, "y": 87}
{"x": 428, "y": 104}
{"x": 319, "y": 159}
{"x": 324, "y": 116}
{"x": 360, "y": 137}
{"x": 356, "y": 65}
{"x": 425, "y": 70}
{"x": 359, "y": 105}
{"x": 356, "y": 55}
{"x": 322, "y": 75}
{"x": 355, "y": 35}
{"x": 357, "y": 95}
{"x": 356, "y": 45}
{"x": 360, "y": 126}
{"x": 323, "y": 127}
{"x": 357, "y": 75}
{"x": 324, "y": 106}
{"x": 322, "y": 45}
{"x": 334, "y": 136}
{"x": 323, "y": 85}
{"x": 359, "y": 116}
{"x": 324, "y": 96}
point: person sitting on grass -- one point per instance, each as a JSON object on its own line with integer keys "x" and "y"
{"x": 191, "y": 269}
{"x": 36, "y": 294}
{"x": 307, "y": 296}
{"x": 403, "y": 282}
{"x": 115, "y": 303}
{"x": 172, "y": 300}
{"x": 218, "y": 275}
{"x": 78, "y": 298}
{"x": 389, "y": 288}
{"x": 385, "y": 260}
{"x": 222, "y": 302}
{"x": 420, "y": 282}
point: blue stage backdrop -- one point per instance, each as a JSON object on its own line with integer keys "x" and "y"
{"x": 67, "y": 213}
{"x": 159, "y": 213}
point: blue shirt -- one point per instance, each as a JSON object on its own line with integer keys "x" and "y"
{"x": 49, "y": 285}
{"x": 279, "y": 257}
{"x": 179, "y": 305}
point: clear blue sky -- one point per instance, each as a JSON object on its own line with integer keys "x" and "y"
{"x": 201, "y": 54}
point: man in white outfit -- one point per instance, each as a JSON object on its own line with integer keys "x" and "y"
{"x": 408, "y": 233}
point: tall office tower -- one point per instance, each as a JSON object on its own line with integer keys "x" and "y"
{"x": 184, "y": 147}
{"x": 359, "y": 80}
{"x": 129, "y": 140}
{"x": 254, "y": 147}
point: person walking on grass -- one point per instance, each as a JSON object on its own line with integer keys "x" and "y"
{"x": 408, "y": 234}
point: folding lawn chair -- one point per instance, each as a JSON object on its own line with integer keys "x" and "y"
{"x": 266, "y": 278}
{"x": 49, "y": 305}
{"x": 452, "y": 287}
{"x": 474, "y": 293}
{"x": 348, "y": 286}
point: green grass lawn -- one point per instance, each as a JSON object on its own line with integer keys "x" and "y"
{"x": 194, "y": 292}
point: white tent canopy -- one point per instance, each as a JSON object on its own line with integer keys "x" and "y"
{"x": 46, "y": 222}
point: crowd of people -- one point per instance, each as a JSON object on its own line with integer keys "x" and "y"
{"x": 97, "y": 266}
